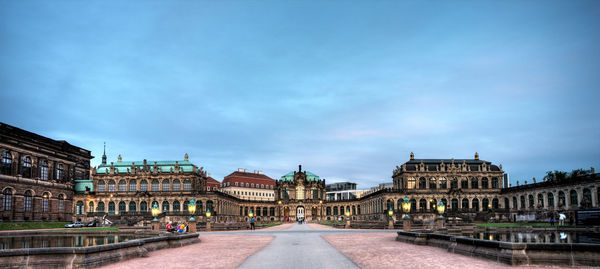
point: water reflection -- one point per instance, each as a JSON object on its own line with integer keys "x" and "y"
{"x": 538, "y": 237}
{"x": 63, "y": 241}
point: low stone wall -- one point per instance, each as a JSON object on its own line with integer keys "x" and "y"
{"x": 578, "y": 254}
{"x": 89, "y": 257}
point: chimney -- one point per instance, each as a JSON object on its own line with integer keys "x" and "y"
{"x": 208, "y": 175}
{"x": 245, "y": 170}
{"x": 259, "y": 172}
{"x": 240, "y": 170}
{"x": 254, "y": 172}
{"x": 534, "y": 180}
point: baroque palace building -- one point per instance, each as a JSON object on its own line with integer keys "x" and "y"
{"x": 37, "y": 175}
{"x": 42, "y": 179}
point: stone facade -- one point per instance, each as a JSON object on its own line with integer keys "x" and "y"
{"x": 37, "y": 175}
{"x": 300, "y": 195}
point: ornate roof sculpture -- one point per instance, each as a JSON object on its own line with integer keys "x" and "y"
{"x": 309, "y": 176}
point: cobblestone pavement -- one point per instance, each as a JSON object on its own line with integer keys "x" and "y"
{"x": 381, "y": 250}
{"x": 216, "y": 250}
{"x": 293, "y": 246}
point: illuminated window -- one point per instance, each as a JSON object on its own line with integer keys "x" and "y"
{"x": 411, "y": 183}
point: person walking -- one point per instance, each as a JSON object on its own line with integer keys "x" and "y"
{"x": 561, "y": 219}
{"x": 252, "y": 223}
{"x": 552, "y": 220}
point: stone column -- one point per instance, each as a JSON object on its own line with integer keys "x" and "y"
{"x": 406, "y": 225}
{"x": 193, "y": 227}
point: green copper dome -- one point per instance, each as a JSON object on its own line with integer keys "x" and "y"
{"x": 309, "y": 177}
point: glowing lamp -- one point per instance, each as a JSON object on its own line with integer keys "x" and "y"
{"x": 192, "y": 209}
{"x": 406, "y": 207}
{"x": 441, "y": 208}
{"x": 155, "y": 211}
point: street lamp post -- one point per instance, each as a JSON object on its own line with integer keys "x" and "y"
{"x": 348, "y": 218}
{"x": 208, "y": 220}
{"x": 155, "y": 212}
{"x": 279, "y": 209}
{"x": 192, "y": 210}
{"x": 441, "y": 207}
{"x": 406, "y": 219}
{"x": 391, "y": 219}
{"x": 250, "y": 214}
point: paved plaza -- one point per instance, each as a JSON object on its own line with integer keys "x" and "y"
{"x": 304, "y": 246}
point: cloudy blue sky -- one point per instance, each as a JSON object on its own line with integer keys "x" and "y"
{"x": 346, "y": 88}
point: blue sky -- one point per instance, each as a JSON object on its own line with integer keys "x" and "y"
{"x": 346, "y": 88}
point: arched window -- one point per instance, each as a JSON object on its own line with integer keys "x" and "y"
{"x": 328, "y": 211}
{"x": 7, "y": 200}
{"x": 59, "y": 172}
{"x": 6, "y": 163}
{"x": 454, "y": 183}
{"x": 484, "y": 183}
{"x": 573, "y": 196}
{"x": 515, "y": 204}
{"x": 586, "y": 200}
{"x": 176, "y": 185}
{"x": 165, "y": 206}
{"x": 540, "y": 200}
{"x": 155, "y": 185}
{"x": 26, "y": 168}
{"x": 550, "y": 199}
{"x": 432, "y": 183}
{"x": 44, "y": 170}
{"x": 209, "y": 206}
{"x": 61, "y": 203}
{"x": 122, "y": 186}
{"x": 506, "y": 203}
{"x": 132, "y": 206}
{"x": 495, "y": 203}
{"x": 111, "y": 208}
{"x": 413, "y": 205}
{"x": 91, "y": 207}
{"x": 475, "y": 204}
{"x": 111, "y": 186}
{"x": 561, "y": 198}
{"x": 335, "y": 210}
{"x": 266, "y": 211}
{"x": 411, "y": 183}
{"x": 176, "y": 206}
{"x": 101, "y": 207}
{"x": 531, "y": 201}
{"x": 454, "y": 204}
{"x": 465, "y": 203}
{"x": 166, "y": 185}
{"x": 522, "y": 202}
{"x": 45, "y": 197}
{"x": 443, "y": 183}
{"x": 122, "y": 207}
{"x": 422, "y": 205}
{"x": 132, "y": 185}
{"x": 143, "y": 186}
{"x": 485, "y": 204}
{"x": 187, "y": 185}
{"x": 464, "y": 183}
{"x": 101, "y": 186}
{"x": 143, "y": 206}
{"x": 79, "y": 210}
{"x": 495, "y": 183}
{"x": 474, "y": 183}
{"x": 422, "y": 183}
{"x": 27, "y": 202}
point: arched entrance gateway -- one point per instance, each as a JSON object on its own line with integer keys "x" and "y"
{"x": 300, "y": 213}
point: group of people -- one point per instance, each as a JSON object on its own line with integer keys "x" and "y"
{"x": 561, "y": 219}
{"x": 180, "y": 228}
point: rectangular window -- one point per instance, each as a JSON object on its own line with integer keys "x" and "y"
{"x": 45, "y": 205}
{"x": 27, "y": 203}
{"x": 236, "y": 184}
{"x": 60, "y": 205}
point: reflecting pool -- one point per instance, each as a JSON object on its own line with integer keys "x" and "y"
{"x": 538, "y": 236}
{"x": 74, "y": 240}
